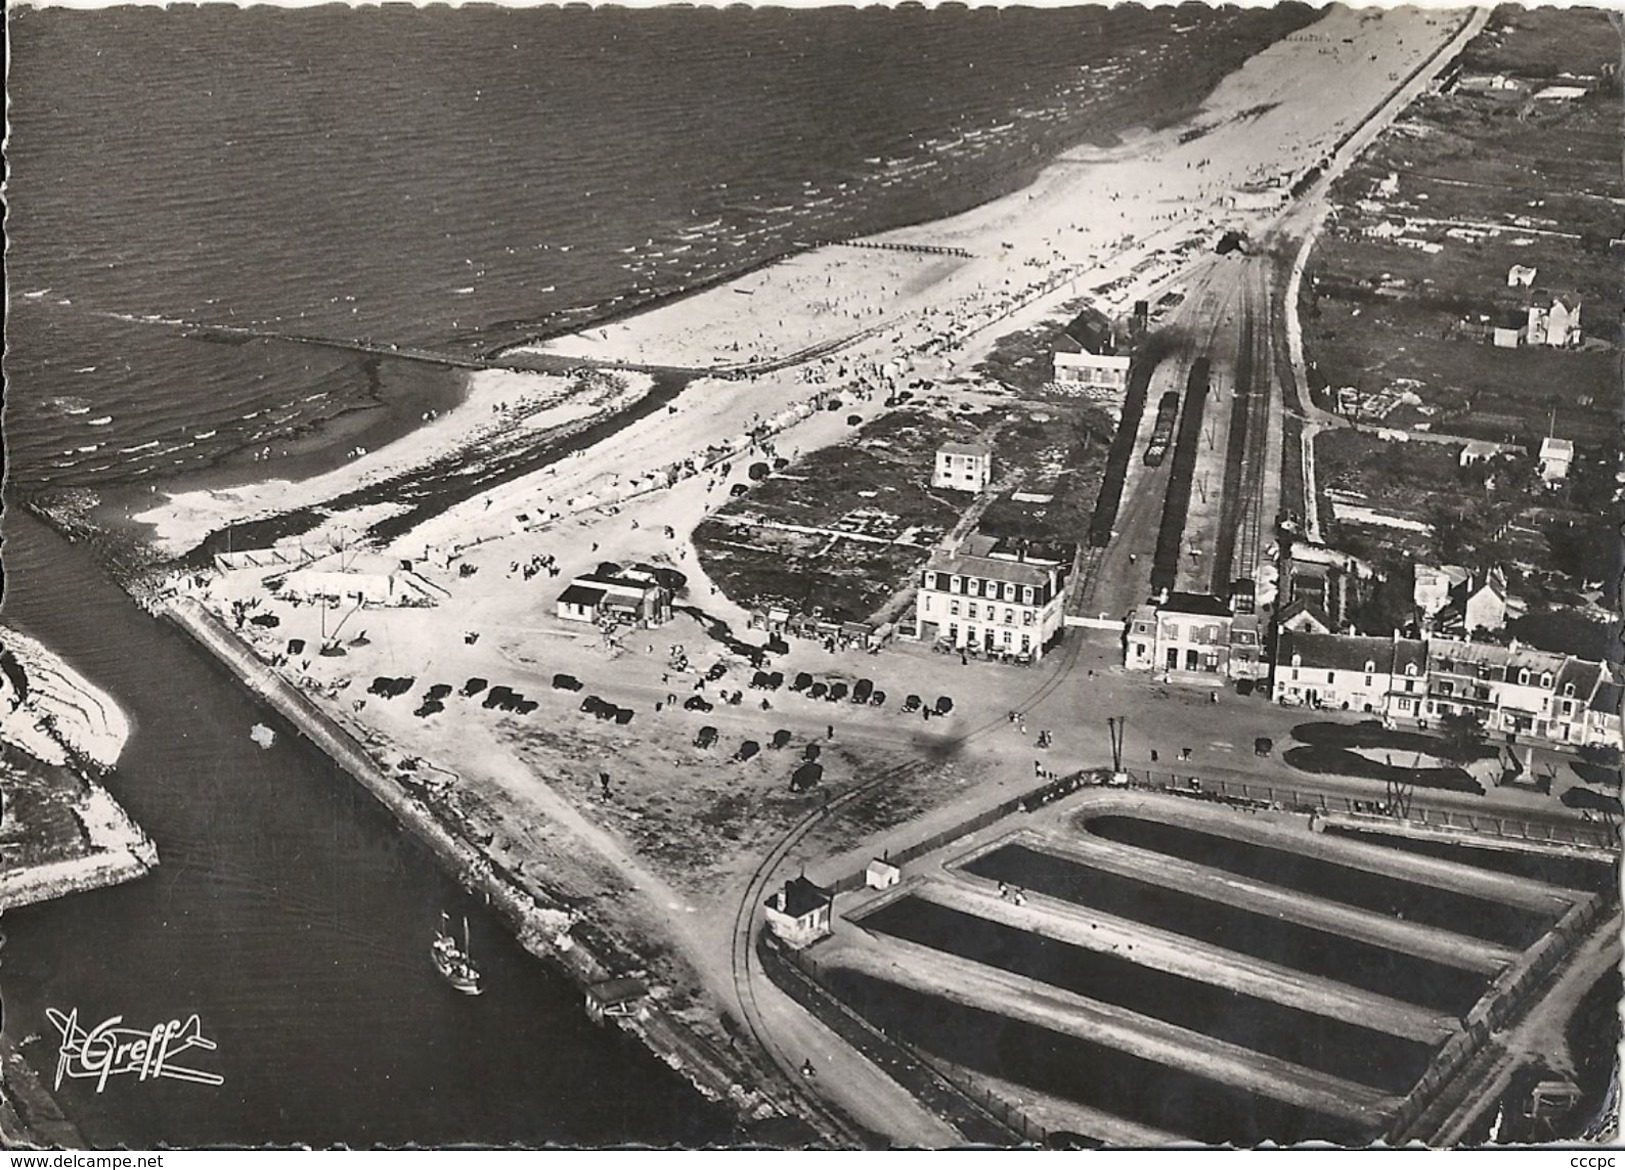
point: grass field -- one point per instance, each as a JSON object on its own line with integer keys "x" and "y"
{"x": 1485, "y": 180}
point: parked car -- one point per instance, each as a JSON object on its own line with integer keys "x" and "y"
{"x": 429, "y": 707}
{"x": 758, "y": 681}
{"x": 717, "y": 670}
{"x": 705, "y": 737}
{"x": 911, "y": 704}
{"x": 698, "y": 703}
{"x": 837, "y": 692}
{"x": 566, "y": 682}
{"x": 497, "y": 696}
{"x": 1263, "y": 745}
{"x": 818, "y": 690}
{"x": 775, "y": 680}
{"x": 738, "y": 489}
{"x": 878, "y": 699}
{"x": 590, "y": 704}
{"x": 944, "y": 705}
{"x": 747, "y": 749}
{"x": 862, "y": 689}
{"x": 473, "y": 687}
{"x": 811, "y": 752}
{"x": 780, "y": 740}
{"x": 807, "y": 776}
{"x": 803, "y": 680}
{"x": 438, "y": 691}
{"x": 623, "y": 715}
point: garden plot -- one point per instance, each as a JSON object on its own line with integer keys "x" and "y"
{"x": 839, "y": 530}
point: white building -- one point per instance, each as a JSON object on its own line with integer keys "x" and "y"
{"x": 1087, "y": 354}
{"x": 1187, "y": 638}
{"x": 1556, "y": 456}
{"x": 629, "y": 595}
{"x": 963, "y": 467}
{"x": 1336, "y": 672}
{"x": 1433, "y": 587}
{"x": 1520, "y": 276}
{"x": 995, "y": 603}
{"x": 800, "y": 913}
{"x": 1553, "y": 321}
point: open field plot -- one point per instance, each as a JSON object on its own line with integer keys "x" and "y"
{"x": 1397, "y": 478}
{"x": 693, "y": 814}
{"x": 1059, "y": 452}
{"x": 838, "y": 530}
{"x": 1184, "y": 970}
{"x": 1467, "y": 386}
{"x": 1429, "y": 221}
{"x": 1539, "y": 43}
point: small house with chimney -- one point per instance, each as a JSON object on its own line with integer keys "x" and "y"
{"x": 1087, "y": 354}
{"x": 801, "y": 913}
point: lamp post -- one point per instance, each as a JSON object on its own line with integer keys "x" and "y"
{"x": 1117, "y": 725}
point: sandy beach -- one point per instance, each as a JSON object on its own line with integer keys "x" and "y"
{"x": 81, "y": 716}
{"x": 501, "y": 407}
{"x": 1111, "y": 223}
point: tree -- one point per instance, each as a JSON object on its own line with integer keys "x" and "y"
{"x": 1388, "y": 604}
{"x": 1463, "y": 732}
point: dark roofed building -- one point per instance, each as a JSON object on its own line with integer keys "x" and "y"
{"x": 630, "y": 595}
{"x": 980, "y": 601}
{"x": 1333, "y": 671}
{"x": 610, "y": 998}
{"x": 1196, "y": 604}
{"x": 800, "y": 914}
{"x": 1087, "y": 354}
{"x": 1301, "y": 615}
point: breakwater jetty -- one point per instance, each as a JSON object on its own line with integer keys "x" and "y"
{"x": 545, "y": 927}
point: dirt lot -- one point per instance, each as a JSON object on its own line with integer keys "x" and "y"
{"x": 875, "y": 486}
{"x": 1468, "y": 183}
{"x": 839, "y": 532}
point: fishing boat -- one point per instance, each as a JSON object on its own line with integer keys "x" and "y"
{"x": 453, "y": 961}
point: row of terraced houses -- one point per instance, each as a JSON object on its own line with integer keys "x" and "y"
{"x": 1514, "y": 689}
{"x": 1565, "y": 701}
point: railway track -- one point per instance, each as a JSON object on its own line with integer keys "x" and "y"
{"x": 790, "y": 1095}
{"x": 1239, "y": 540}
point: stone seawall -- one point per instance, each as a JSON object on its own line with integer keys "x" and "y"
{"x": 542, "y": 927}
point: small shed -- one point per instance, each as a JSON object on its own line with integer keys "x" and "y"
{"x": 610, "y": 998}
{"x": 881, "y": 874}
{"x": 801, "y": 913}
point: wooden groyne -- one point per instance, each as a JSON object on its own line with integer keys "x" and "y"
{"x": 542, "y": 927}
{"x": 929, "y": 249}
